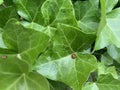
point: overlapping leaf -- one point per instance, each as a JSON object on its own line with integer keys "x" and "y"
{"x": 90, "y": 86}
{"x": 6, "y": 14}
{"x": 70, "y": 39}
{"x": 106, "y": 59}
{"x": 102, "y": 70}
{"x": 24, "y": 41}
{"x": 108, "y": 32}
{"x": 12, "y": 63}
{"x": 32, "y": 81}
{"x": 107, "y": 82}
{"x": 56, "y": 85}
{"x": 15, "y": 66}
{"x": 50, "y": 31}
{"x": 110, "y": 5}
{"x": 53, "y": 38}
{"x": 15, "y": 71}
{"x": 114, "y": 52}
{"x": 47, "y": 11}
{"x": 30, "y": 10}
{"x": 87, "y": 14}
{"x": 58, "y": 11}
{"x": 71, "y": 71}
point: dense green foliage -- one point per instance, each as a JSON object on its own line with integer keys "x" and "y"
{"x": 59, "y": 44}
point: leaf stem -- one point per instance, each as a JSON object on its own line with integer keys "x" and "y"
{"x": 103, "y": 16}
{"x": 102, "y": 22}
{"x": 4, "y": 5}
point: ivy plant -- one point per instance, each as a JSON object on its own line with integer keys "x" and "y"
{"x": 59, "y": 45}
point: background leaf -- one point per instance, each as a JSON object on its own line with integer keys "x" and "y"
{"x": 110, "y": 5}
{"x": 107, "y": 25}
{"x": 63, "y": 13}
{"x": 90, "y": 86}
{"x": 87, "y": 14}
{"x": 33, "y": 81}
{"x": 106, "y": 82}
{"x": 6, "y": 14}
{"x": 1, "y": 1}
{"x": 114, "y": 52}
{"x": 30, "y": 10}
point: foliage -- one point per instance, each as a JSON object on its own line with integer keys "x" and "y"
{"x": 59, "y": 44}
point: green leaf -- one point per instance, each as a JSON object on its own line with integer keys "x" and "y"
{"x": 30, "y": 10}
{"x": 70, "y": 39}
{"x": 107, "y": 82}
{"x": 112, "y": 27}
{"x": 32, "y": 81}
{"x": 24, "y": 41}
{"x": 2, "y": 45}
{"x": 87, "y": 14}
{"x": 58, "y": 11}
{"x": 106, "y": 59}
{"x": 8, "y": 2}
{"x": 50, "y": 31}
{"x": 15, "y": 71}
{"x": 6, "y": 14}
{"x": 110, "y": 5}
{"x": 12, "y": 63}
{"x": 107, "y": 25}
{"x": 102, "y": 70}
{"x": 114, "y": 13}
{"x": 6, "y": 51}
{"x": 1, "y": 1}
{"x": 114, "y": 52}
{"x": 72, "y": 72}
{"x": 55, "y": 85}
{"x": 90, "y": 86}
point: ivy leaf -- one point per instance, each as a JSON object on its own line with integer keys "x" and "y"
{"x": 108, "y": 25}
{"x": 87, "y": 21}
{"x": 24, "y": 41}
{"x": 1, "y": 1}
{"x": 106, "y": 59}
{"x": 6, "y": 14}
{"x": 55, "y": 85}
{"x": 110, "y": 5}
{"x": 107, "y": 82}
{"x": 72, "y": 72}
{"x": 102, "y": 70}
{"x": 2, "y": 45}
{"x": 111, "y": 27}
{"x": 12, "y": 63}
{"x": 70, "y": 39}
{"x": 114, "y": 13}
{"x": 63, "y": 12}
{"x": 30, "y": 10}
{"x": 90, "y": 86}
{"x": 50, "y": 31}
{"x": 114, "y": 52}
{"x": 8, "y": 2}
{"x": 33, "y": 81}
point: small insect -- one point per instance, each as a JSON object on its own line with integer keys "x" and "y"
{"x": 73, "y": 56}
{"x": 4, "y": 57}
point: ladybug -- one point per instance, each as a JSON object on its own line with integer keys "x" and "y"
{"x": 73, "y": 56}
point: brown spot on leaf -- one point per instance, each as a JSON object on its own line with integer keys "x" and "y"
{"x": 4, "y": 57}
{"x": 73, "y": 56}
